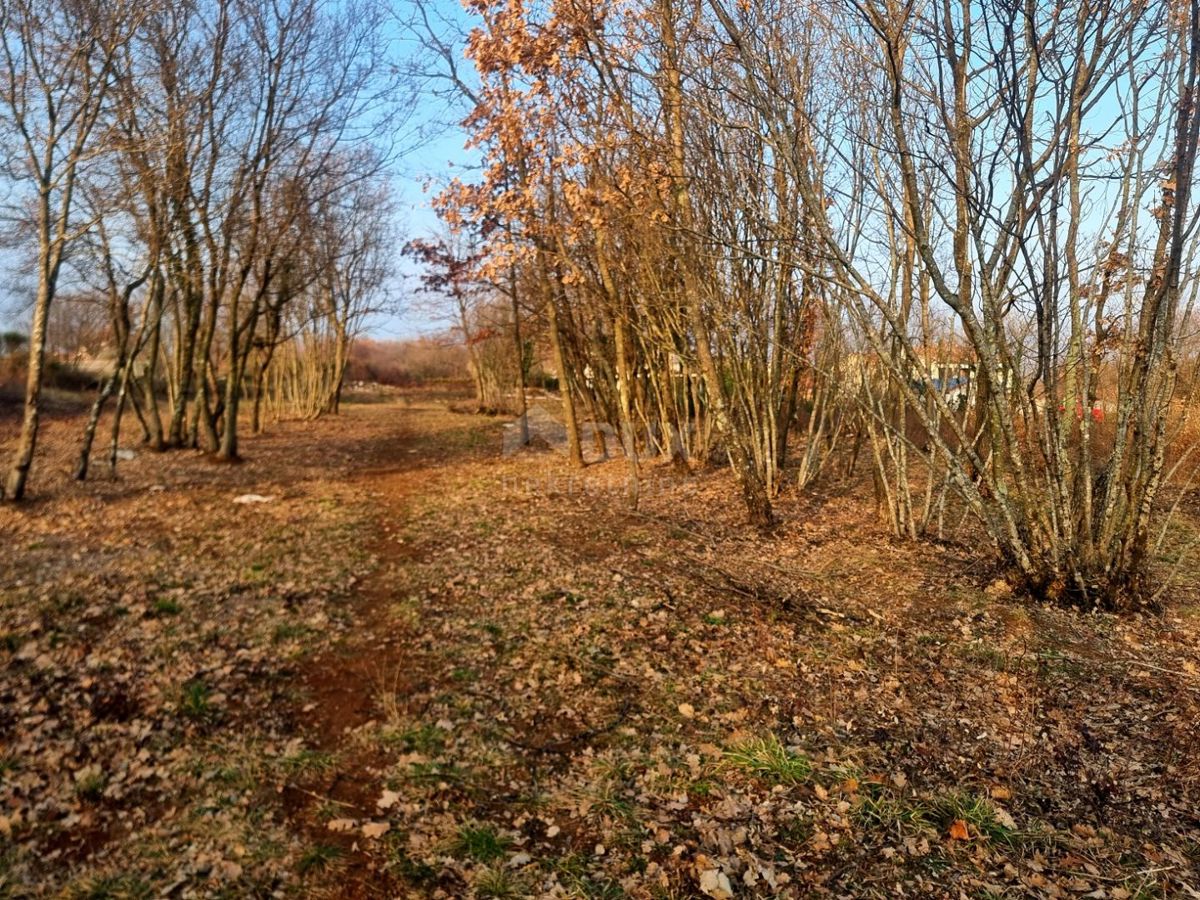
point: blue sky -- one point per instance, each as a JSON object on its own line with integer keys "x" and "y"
{"x": 432, "y": 165}
{"x": 421, "y": 172}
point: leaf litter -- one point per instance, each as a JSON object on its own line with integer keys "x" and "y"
{"x": 426, "y": 670}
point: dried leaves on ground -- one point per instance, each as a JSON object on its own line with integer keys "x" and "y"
{"x": 421, "y": 668}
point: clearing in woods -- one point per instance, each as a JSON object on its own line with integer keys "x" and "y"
{"x": 423, "y": 668}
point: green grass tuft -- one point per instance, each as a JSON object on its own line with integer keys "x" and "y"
{"x": 195, "y": 702}
{"x": 286, "y": 632}
{"x": 91, "y": 787}
{"x": 497, "y": 884}
{"x": 304, "y": 762}
{"x": 977, "y": 811}
{"x": 885, "y": 811}
{"x": 481, "y": 843}
{"x": 112, "y": 887}
{"x": 766, "y": 758}
{"x": 318, "y": 859}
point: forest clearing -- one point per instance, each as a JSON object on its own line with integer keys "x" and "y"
{"x": 599, "y": 449}
{"x": 422, "y": 668}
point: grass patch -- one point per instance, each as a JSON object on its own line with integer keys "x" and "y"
{"x": 498, "y": 884}
{"x": 568, "y": 597}
{"x": 238, "y": 776}
{"x": 428, "y": 740}
{"x": 10, "y": 884}
{"x": 317, "y": 859}
{"x": 702, "y": 788}
{"x": 481, "y": 843}
{"x": 307, "y": 762}
{"x": 165, "y": 607}
{"x": 434, "y": 772}
{"x": 195, "y": 701}
{"x": 767, "y": 759}
{"x": 411, "y": 870}
{"x": 978, "y": 812}
{"x": 90, "y": 787}
{"x": 1143, "y": 887}
{"x": 887, "y": 812}
{"x": 993, "y": 658}
{"x": 882, "y": 809}
{"x": 112, "y": 887}
{"x": 573, "y": 874}
{"x": 606, "y": 802}
{"x": 285, "y": 632}
{"x": 406, "y": 613}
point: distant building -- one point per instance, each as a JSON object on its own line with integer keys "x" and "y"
{"x": 101, "y": 364}
{"x": 949, "y": 370}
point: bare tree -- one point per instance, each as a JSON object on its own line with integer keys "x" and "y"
{"x": 60, "y": 60}
{"x": 1024, "y": 206}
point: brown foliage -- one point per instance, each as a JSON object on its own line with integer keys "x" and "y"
{"x": 406, "y": 363}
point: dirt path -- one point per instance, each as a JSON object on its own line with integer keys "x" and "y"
{"x": 346, "y": 688}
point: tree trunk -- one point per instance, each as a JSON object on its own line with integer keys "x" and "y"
{"x": 89, "y": 431}
{"x": 153, "y": 419}
{"x": 18, "y": 473}
{"x": 519, "y": 349}
{"x": 574, "y": 450}
{"x": 628, "y": 437}
{"x": 186, "y": 366}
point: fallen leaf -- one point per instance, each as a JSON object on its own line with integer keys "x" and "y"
{"x": 715, "y": 883}
{"x": 375, "y": 829}
{"x": 388, "y": 799}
